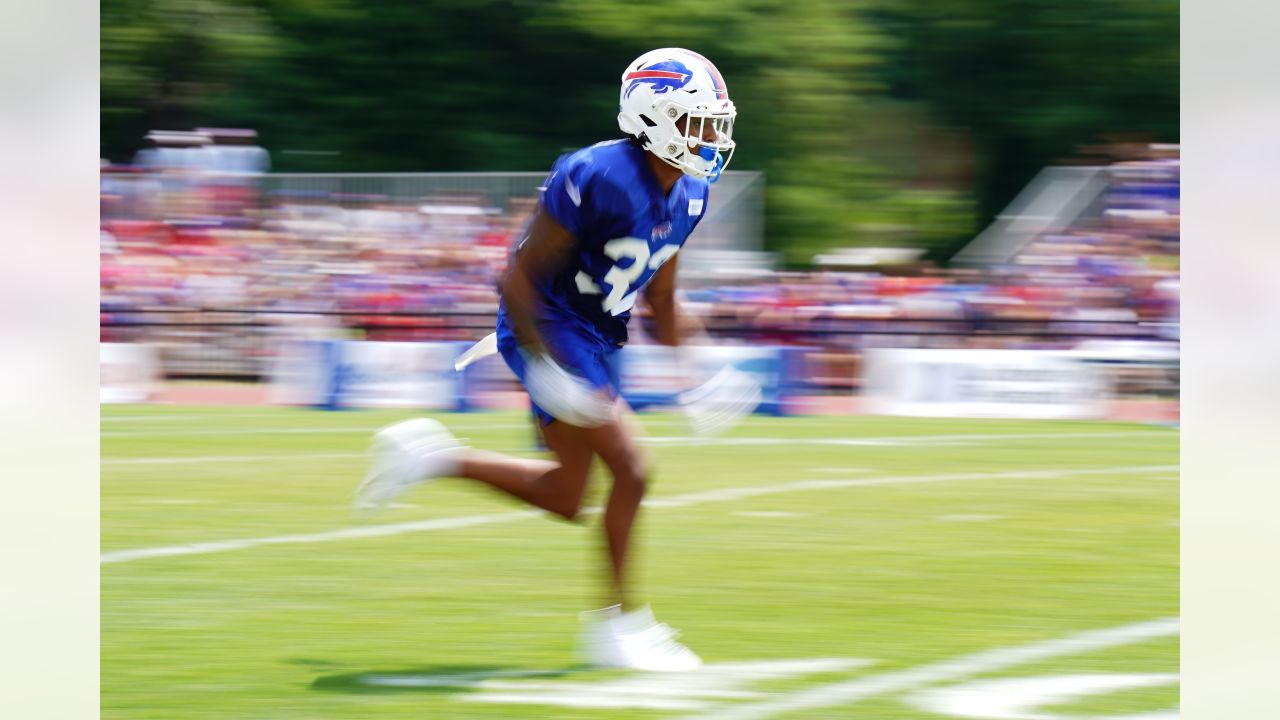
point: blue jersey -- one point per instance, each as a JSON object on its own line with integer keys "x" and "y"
{"x": 608, "y": 198}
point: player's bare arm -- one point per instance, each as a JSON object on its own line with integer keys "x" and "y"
{"x": 660, "y": 295}
{"x": 543, "y": 252}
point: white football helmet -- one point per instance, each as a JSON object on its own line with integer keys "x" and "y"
{"x": 663, "y": 86}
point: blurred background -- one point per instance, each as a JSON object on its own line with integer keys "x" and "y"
{"x": 979, "y": 174}
{"x": 947, "y": 246}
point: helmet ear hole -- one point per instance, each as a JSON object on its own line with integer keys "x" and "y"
{"x": 648, "y": 121}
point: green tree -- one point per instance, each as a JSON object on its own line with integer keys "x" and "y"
{"x": 850, "y": 108}
{"x": 801, "y": 73}
{"x": 1032, "y": 81}
{"x": 170, "y": 64}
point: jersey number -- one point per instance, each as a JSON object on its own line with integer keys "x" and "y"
{"x": 621, "y": 297}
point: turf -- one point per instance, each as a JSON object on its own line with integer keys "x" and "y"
{"x": 963, "y": 556}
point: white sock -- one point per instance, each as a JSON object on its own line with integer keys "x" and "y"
{"x": 634, "y": 621}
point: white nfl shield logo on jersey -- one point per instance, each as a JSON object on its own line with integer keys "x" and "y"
{"x": 695, "y": 207}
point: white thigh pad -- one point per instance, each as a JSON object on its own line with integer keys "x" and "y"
{"x": 564, "y": 395}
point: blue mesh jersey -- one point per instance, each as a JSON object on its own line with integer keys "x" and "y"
{"x": 608, "y": 198}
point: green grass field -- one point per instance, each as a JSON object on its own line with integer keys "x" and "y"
{"x": 853, "y": 567}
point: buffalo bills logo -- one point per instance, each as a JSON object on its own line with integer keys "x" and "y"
{"x": 661, "y": 232}
{"x": 664, "y": 77}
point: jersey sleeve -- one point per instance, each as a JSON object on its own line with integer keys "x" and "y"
{"x": 583, "y": 203}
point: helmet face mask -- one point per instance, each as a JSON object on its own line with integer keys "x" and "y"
{"x": 675, "y": 102}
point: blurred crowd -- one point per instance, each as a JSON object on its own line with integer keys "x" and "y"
{"x": 190, "y": 234}
{"x": 180, "y": 231}
{"x": 309, "y": 255}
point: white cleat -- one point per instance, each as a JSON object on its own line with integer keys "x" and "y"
{"x": 406, "y": 454}
{"x": 633, "y": 641}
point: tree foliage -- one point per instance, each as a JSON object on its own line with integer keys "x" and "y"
{"x": 864, "y": 115}
{"x": 1031, "y": 81}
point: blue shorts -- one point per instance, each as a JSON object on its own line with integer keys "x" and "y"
{"x": 578, "y": 350}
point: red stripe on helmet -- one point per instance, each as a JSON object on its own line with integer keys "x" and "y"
{"x": 722, "y": 91}
{"x": 653, "y": 74}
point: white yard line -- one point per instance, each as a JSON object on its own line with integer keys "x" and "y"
{"x": 367, "y": 531}
{"x": 202, "y": 459}
{"x": 319, "y": 430}
{"x": 469, "y": 424}
{"x": 696, "y": 690}
{"x": 851, "y": 691}
{"x": 657, "y": 439}
{"x": 207, "y": 432}
{"x": 717, "y": 495}
{"x": 293, "y": 414}
{"x": 202, "y": 416}
{"x": 739, "y": 493}
{"x": 661, "y": 441}
{"x": 895, "y": 440}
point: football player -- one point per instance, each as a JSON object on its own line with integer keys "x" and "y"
{"x": 611, "y": 220}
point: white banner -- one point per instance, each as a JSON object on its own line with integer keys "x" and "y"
{"x": 300, "y": 372}
{"x": 651, "y": 375}
{"x": 127, "y": 372}
{"x": 983, "y": 383}
{"x": 399, "y": 374}
{"x": 350, "y": 373}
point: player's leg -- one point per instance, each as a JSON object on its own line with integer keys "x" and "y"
{"x": 556, "y": 487}
{"x": 622, "y": 635}
{"x": 414, "y": 451}
{"x": 616, "y": 445}
{"x": 559, "y": 487}
{"x": 419, "y": 450}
